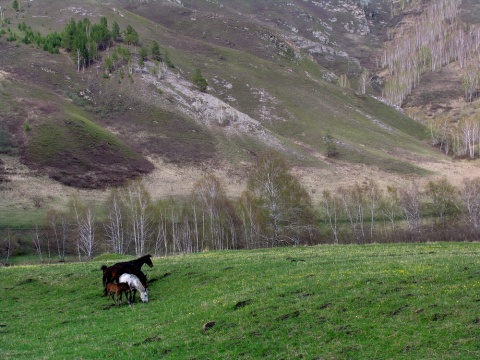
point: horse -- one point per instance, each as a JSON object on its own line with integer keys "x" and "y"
{"x": 118, "y": 289}
{"x": 112, "y": 273}
{"x": 135, "y": 284}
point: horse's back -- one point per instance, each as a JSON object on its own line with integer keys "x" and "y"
{"x": 130, "y": 279}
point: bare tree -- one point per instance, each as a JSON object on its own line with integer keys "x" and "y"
{"x": 174, "y": 229}
{"x": 37, "y": 243}
{"x": 209, "y": 194}
{"x": 410, "y": 203}
{"x": 195, "y": 226}
{"x": 390, "y": 206}
{"x": 469, "y": 129}
{"x": 332, "y": 205}
{"x": 364, "y": 81}
{"x": 161, "y": 239}
{"x": 84, "y": 217}
{"x": 7, "y": 246}
{"x": 374, "y": 196}
{"x": 470, "y": 82}
{"x": 87, "y": 233}
{"x": 138, "y": 203}
{"x": 343, "y": 81}
{"x": 250, "y": 221}
{"x": 470, "y": 195}
{"x": 59, "y": 226}
{"x": 114, "y": 227}
{"x": 281, "y": 198}
{"x": 353, "y": 200}
{"x": 443, "y": 199}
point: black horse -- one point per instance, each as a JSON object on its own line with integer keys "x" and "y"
{"x": 112, "y": 273}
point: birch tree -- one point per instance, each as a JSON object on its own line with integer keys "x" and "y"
{"x": 87, "y": 229}
{"x": 283, "y": 200}
{"x": 443, "y": 199}
{"x": 138, "y": 204}
{"x": 209, "y": 194}
{"x": 7, "y": 246}
{"x": 114, "y": 226}
{"x": 249, "y": 217}
{"x": 410, "y": 203}
{"x": 470, "y": 195}
{"x": 37, "y": 243}
{"x": 331, "y": 205}
{"x": 353, "y": 201}
{"x": 85, "y": 225}
{"x": 374, "y": 196}
{"x": 161, "y": 222}
{"x": 470, "y": 82}
{"x": 59, "y": 227}
{"x": 390, "y": 206}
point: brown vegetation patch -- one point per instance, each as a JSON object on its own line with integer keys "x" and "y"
{"x": 98, "y": 168}
{"x": 178, "y": 151}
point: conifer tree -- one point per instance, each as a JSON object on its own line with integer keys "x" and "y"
{"x": 155, "y": 50}
{"x": 199, "y": 80}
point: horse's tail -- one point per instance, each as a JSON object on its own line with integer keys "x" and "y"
{"x": 104, "y": 278}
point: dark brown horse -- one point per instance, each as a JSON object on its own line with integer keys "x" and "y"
{"x": 118, "y": 289}
{"x": 112, "y": 273}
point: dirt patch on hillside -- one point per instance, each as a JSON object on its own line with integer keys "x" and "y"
{"x": 171, "y": 180}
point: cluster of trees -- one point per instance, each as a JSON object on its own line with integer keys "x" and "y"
{"x": 365, "y": 213}
{"x": 436, "y": 38}
{"x": 459, "y": 138}
{"x": 82, "y": 39}
{"x": 87, "y": 42}
{"x": 274, "y": 210}
{"x": 51, "y": 42}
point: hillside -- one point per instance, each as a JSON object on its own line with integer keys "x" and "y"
{"x": 274, "y": 72}
{"x": 414, "y": 301}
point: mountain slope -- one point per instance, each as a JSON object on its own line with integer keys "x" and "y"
{"x": 273, "y": 70}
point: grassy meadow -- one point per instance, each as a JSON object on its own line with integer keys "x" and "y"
{"x": 412, "y": 301}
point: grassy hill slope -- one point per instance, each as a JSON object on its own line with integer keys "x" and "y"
{"x": 379, "y": 301}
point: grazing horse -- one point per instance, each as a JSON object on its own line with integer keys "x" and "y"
{"x": 135, "y": 284}
{"x": 118, "y": 290}
{"x": 112, "y": 273}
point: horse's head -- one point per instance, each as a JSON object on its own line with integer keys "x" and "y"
{"x": 148, "y": 260}
{"x": 144, "y": 295}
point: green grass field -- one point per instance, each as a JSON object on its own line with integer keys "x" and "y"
{"x": 407, "y": 301}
